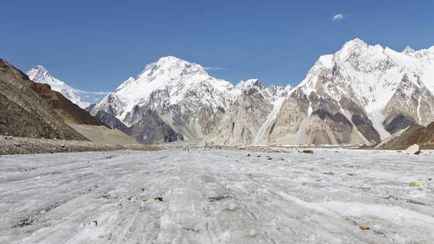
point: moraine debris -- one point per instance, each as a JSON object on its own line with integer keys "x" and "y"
{"x": 416, "y": 183}
{"x": 158, "y": 199}
{"x": 218, "y": 198}
{"x": 413, "y": 150}
{"x": 364, "y": 227}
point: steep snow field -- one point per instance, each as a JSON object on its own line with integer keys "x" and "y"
{"x": 217, "y": 196}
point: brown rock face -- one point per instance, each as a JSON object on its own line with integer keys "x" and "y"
{"x": 423, "y": 136}
{"x": 24, "y": 113}
{"x": 69, "y": 111}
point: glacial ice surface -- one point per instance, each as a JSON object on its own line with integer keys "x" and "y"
{"x": 217, "y": 196}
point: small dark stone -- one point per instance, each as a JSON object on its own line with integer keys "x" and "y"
{"x": 218, "y": 198}
{"x": 309, "y": 151}
{"x": 159, "y": 199}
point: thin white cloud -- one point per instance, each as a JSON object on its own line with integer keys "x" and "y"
{"x": 92, "y": 92}
{"x": 339, "y": 17}
{"x": 214, "y": 68}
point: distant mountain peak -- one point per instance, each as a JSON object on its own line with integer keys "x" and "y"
{"x": 355, "y": 43}
{"x": 173, "y": 68}
{"x": 41, "y": 75}
{"x": 250, "y": 83}
{"x": 169, "y": 59}
{"x": 40, "y": 68}
{"x": 408, "y": 50}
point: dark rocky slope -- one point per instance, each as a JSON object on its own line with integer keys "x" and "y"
{"x": 24, "y": 113}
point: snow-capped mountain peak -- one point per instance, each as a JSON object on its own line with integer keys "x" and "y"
{"x": 173, "y": 67}
{"x": 180, "y": 93}
{"x": 371, "y": 73}
{"x": 376, "y": 79}
{"x": 165, "y": 71}
{"x": 39, "y": 69}
{"x": 355, "y": 43}
{"x": 41, "y": 75}
{"x": 250, "y": 83}
{"x": 408, "y": 50}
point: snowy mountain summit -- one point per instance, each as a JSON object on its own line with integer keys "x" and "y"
{"x": 171, "y": 80}
{"x": 41, "y": 75}
{"x": 359, "y": 95}
{"x": 173, "y": 99}
{"x": 170, "y": 97}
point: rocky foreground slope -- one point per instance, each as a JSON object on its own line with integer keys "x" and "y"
{"x": 416, "y": 134}
{"x": 31, "y": 109}
{"x": 24, "y": 113}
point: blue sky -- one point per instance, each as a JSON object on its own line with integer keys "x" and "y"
{"x": 95, "y": 45}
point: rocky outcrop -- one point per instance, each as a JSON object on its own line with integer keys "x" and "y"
{"x": 151, "y": 129}
{"x": 242, "y": 120}
{"x": 250, "y": 118}
{"x": 70, "y": 112}
{"x": 411, "y": 104}
{"x": 416, "y": 134}
{"x": 24, "y": 113}
{"x": 111, "y": 121}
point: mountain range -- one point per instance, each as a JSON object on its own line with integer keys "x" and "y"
{"x": 362, "y": 94}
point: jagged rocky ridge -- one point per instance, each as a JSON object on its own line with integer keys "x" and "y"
{"x": 360, "y": 95}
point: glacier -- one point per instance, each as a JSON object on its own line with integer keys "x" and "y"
{"x": 202, "y": 195}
